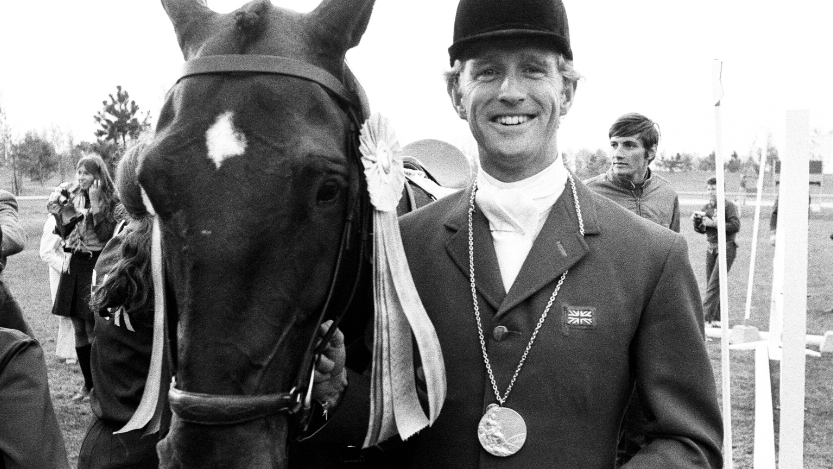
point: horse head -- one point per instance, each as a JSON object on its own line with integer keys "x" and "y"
{"x": 252, "y": 181}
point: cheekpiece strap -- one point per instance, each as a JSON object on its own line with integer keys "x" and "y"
{"x": 270, "y": 64}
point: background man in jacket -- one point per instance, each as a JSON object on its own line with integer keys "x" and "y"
{"x": 705, "y": 221}
{"x": 629, "y": 181}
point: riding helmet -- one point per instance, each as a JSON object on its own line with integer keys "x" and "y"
{"x": 541, "y": 21}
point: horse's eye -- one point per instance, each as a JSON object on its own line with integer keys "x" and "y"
{"x": 328, "y": 192}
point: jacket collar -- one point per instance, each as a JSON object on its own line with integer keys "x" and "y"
{"x": 487, "y": 271}
{"x": 626, "y": 183}
{"x": 558, "y": 246}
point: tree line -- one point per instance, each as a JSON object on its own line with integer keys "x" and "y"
{"x": 39, "y": 155}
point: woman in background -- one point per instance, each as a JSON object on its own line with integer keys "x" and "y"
{"x": 52, "y": 252}
{"x": 85, "y": 217}
{"x": 123, "y": 301}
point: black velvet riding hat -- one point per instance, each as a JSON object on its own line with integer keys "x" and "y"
{"x": 542, "y": 21}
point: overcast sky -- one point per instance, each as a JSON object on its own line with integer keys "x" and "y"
{"x": 60, "y": 59}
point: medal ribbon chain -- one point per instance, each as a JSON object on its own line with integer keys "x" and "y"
{"x": 503, "y": 399}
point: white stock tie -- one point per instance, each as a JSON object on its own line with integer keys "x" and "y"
{"x": 513, "y": 220}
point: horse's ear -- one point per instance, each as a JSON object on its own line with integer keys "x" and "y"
{"x": 190, "y": 18}
{"x": 342, "y": 21}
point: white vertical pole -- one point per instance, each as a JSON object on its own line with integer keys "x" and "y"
{"x": 793, "y": 208}
{"x": 776, "y": 305}
{"x": 717, "y": 90}
{"x": 764, "y": 450}
{"x": 753, "y": 253}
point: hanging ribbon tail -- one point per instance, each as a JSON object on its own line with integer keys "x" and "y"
{"x": 395, "y": 405}
{"x": 400, "y": 319}
{"x": 150, "y": 410}
{"x": 410, "y": 305}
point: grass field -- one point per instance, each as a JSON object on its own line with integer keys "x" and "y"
{"x": 27, "y": 277}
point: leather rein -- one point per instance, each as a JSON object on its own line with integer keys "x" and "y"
{"x": 216, "y": 409}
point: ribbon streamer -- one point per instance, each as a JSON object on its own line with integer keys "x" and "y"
{"x": 394, "y": 402}
{"x": 150, "y": 407}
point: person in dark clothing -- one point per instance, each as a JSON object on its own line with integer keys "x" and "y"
{"x": 29, "y": 434}
{"x": 773, "y": 219}
{"x": 705, "y": 221}
{"x": 12, "y": 241}
{"x": 121, "y": 353}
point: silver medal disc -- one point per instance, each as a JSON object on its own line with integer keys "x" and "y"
{"x": 502, "y": 431}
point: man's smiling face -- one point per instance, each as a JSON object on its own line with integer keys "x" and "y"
{"x": 513, "y": 97}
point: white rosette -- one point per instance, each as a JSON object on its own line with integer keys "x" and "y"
{"x": 394, "y": 404}
{"x": 382, "y": 158}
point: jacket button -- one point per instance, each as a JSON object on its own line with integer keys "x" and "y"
{"x": 500, "y": 333}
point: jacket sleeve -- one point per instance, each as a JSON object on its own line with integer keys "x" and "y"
{"x": 14, "y": 236}
{"x": 103, "y": 225}
{"x": 29, "y": 432}
{"x": 675, "y": 217}
{"x": 732, "y": 218}
{"x": 50, "y": 246}
{"x": 685, "y": 426}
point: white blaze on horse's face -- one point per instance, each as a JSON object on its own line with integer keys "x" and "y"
{"x": 223, "y": 140}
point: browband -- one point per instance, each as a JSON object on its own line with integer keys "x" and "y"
{"x": 269, "y": 64}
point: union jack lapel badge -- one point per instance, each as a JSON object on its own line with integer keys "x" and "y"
{"x": 580, "y": 317}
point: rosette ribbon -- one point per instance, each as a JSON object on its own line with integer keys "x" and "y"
{"x": 394, "y": 403}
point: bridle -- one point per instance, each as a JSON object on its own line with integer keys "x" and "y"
{"x": 216, "y": 409}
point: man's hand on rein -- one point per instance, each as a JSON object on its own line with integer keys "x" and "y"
{"x": 330, "y": 379}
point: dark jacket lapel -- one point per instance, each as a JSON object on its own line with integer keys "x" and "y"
{"x": 558, "y": 246}
{"x": 487, "y": 270}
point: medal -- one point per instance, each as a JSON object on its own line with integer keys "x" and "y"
{"x": 502, "y": 431}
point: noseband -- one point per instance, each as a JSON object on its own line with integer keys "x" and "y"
{"x": 216, "y": 409}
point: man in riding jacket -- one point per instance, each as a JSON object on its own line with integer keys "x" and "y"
{"x": 551, "y": 303}
{"x": 629, "y": 181}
